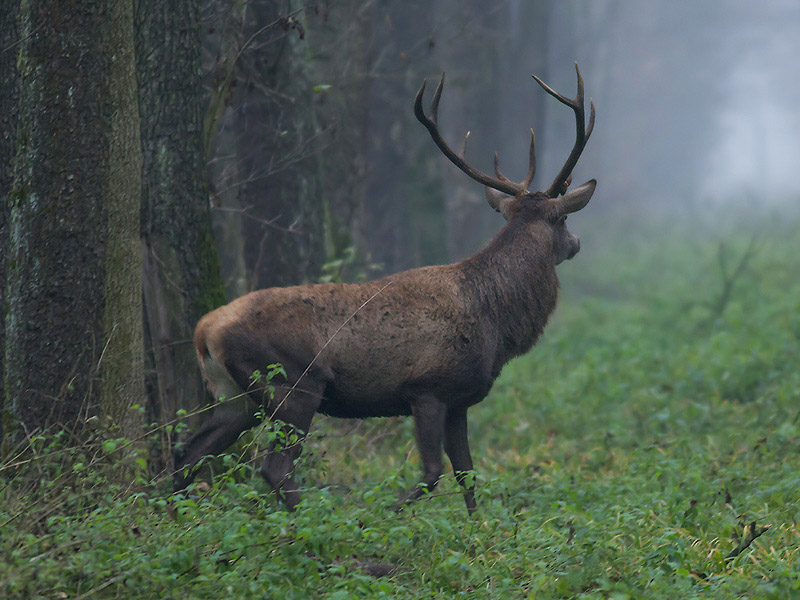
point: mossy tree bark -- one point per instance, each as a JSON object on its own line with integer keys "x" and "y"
{"x": 9, "y": 13}
{"x": 123, "y": 353}
{"x": 181, "y": 272}
{"x": 73, "y": 343}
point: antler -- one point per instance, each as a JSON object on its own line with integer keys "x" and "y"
{"x": 501, "y": 182}
{"x": 582, "y": 133}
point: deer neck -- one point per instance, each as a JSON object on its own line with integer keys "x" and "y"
{"x": 513, "y": 283}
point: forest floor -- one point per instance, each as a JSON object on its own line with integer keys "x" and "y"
{"x": 647, "y": 447}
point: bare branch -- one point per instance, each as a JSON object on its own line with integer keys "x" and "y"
{"x": 752, "y": 532}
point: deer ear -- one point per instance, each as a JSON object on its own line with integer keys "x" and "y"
{"x": 576, "y": 199}
{"x": 497, "y": 200}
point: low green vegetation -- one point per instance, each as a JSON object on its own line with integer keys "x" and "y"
{"x": 646, "y": 448}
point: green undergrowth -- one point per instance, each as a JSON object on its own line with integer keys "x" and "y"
{"x": 634, "y": 453}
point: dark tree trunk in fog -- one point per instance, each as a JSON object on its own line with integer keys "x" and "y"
{"x": 74, "y": 279}
{"x": 473, "y": 83}
{"x": 396, "y": 167}
{"x": 387, "y": 204}
{"x": 122, "y": 361}
{"x": 485, "y": 77}
{"x": 181, "y": 273}
{"x": 281, "y": 196}
{"x": 525, "y": 53}
{"x": 9, "y": 12}
{"x": 341, "y": 44}
{"x": 223, "y": 28}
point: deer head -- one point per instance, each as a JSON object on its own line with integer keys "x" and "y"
{"x": 514, "y": 200}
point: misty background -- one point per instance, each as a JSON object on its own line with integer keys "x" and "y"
{"x": 696, "y": 112}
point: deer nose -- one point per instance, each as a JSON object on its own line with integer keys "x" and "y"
{"x": 574, "y": 248}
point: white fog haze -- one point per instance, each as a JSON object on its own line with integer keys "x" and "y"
{"x": 758, "y": 150}
{"x": 696, "y": 100}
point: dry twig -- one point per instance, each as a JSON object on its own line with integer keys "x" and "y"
{"x": 752, "y": 532}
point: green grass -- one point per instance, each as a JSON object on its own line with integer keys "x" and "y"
{"x": 624, "y": 457}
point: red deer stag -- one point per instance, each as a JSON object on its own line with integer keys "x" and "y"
{"x": 428, "y": 342}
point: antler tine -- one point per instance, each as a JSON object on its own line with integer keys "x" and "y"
{"x": 590, "y": 126}
{"x": 431, "y": 125}
{"x": 567, "y": 183}
{"x": 560, "y": 97}
{"x": 582, "y": 133}
{"x": 437, "y": 95}
{"x": 497, "y": 172}
{"x": 463, "y": 153}
{"x": 526, "y": 183}
{"x": 418, "y": 99}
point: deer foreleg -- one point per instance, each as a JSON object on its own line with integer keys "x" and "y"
{"x": 429, "y": 416}
{"x": 456, "y": 444}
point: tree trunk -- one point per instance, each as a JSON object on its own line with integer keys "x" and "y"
{"x": 123, "y": 352}
{"x": 222, "y": 43}
{"x": 527, "y": 26}
{"x": 393, "y": 176}
{"x": 9, "y": 36}
{"x": 281, "y": 192}
{"x": 474, "y": 88}
{"x": 73, "y": 346}
{"x": 181, "y": 273}
{"x": 341, "y": 42}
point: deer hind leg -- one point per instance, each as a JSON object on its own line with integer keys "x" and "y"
{"x": 296, "y": 409}
{"x": 456, "y": 445}
{"x": 429, "y": 414}
{"x": 235, "y": 414}
{"x": 221, "y": 430}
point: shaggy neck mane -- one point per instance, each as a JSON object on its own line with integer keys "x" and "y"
{"x": 513, "y": 281}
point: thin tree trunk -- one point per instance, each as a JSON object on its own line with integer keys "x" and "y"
{"x": 401, "y": 174}
{"x": 222, "y": 43}
{"x": 123, "y": 352}
{"x": 474, "y": 88}
{"x": 9, "y": 36}
{"x": 281, "y": 191}
{"x": 399, "y": 29}
{"x": 71, "y": 283}
{"x": 527, "y": 26}
{"x": 181, "y": 273}
{"x": 341, "y": 42}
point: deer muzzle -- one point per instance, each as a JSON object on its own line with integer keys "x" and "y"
{"x": 574, "y": 246}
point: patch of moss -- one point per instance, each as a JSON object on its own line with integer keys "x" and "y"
{"x": 210, "y": 289}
